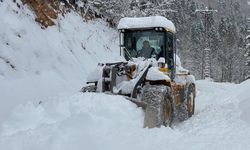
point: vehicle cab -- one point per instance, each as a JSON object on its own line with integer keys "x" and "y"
{"x": 148, "y": 37}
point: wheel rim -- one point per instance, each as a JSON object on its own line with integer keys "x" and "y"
{"x": 190, "y": 103}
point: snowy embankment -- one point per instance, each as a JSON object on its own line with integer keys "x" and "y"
{"x": 99, "y": 121}
{"x": 244, "y": 105}
{"x": 37, "y": 63}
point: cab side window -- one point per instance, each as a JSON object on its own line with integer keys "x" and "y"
{"x": 170, "y": 49}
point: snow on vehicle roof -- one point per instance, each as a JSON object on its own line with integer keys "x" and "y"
{"x": 146, "y": 22}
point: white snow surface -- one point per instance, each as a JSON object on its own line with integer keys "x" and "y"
{"x": 99, "y": 121}
{"x": 244, "y": 105}
{"x": 146, "y": 22}
{"x": 155, "y": 75}
{"x": 48, "y": 62}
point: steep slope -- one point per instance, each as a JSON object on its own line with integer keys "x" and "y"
{"x": 37, "y": 63}
{"x": 99, "y": 121}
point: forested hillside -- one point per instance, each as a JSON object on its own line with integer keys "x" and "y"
{"x": 227, "y": 29}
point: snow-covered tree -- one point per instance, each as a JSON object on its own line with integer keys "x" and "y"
{"x": 226, "y": 31}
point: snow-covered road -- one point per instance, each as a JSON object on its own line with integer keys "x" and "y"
{"x": 103, "y": 122}
{"x": 217, "y": 123}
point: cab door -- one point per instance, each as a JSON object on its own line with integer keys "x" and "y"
{"x": 170, "y": 52}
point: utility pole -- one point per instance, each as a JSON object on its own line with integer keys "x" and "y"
{"x": 247, "y": 55}
{"x": 206, "y": 65}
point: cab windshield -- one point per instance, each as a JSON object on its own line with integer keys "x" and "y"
{"x": 145, "y": 44}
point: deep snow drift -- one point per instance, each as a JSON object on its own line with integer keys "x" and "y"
{"x": 99, "y": 121}
{"x": 37, "y": 63}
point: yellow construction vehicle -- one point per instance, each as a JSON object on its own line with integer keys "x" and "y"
{"x": 152, "y": 76}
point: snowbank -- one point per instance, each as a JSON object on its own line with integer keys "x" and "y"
{"x": 82, "y": 121}
{"x": 244, "y": 97}
{"x": 104, "y": 122}
{"x": 37, "y": 63}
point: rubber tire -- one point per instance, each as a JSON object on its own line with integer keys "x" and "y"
{"x": 182, "y": 112}
{"x": 158, "y": 99}
{"x": 189, "y": 93}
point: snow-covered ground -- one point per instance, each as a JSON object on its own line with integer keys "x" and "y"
{"x": 47, "y": 112}
{"x": 37, "y": 63}
{"x": 103, "y": 122}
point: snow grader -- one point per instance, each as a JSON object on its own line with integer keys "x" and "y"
{"x": 151, "y": 75}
